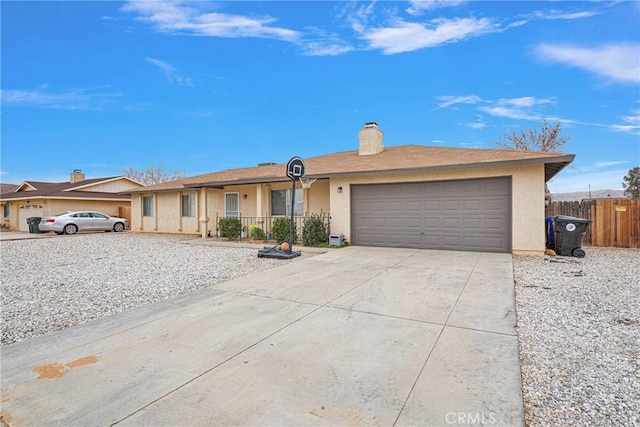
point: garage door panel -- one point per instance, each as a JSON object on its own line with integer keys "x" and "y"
{"x": 495, "y": 224}
{"x": 412, "y": 222}
{"x": 461, "y": 215}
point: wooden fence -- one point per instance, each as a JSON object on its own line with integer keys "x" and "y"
{"x": 614, "y": 222}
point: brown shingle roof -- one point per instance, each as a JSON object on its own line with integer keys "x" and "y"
{"x": 61, "y": 190}
{"x": 7, "y": 188}
{"x": 393, "y": 159}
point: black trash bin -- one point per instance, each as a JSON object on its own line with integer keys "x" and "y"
{"x": 33, "y": 222}
{"x": 569, "y": 232}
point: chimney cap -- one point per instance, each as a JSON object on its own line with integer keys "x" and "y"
{"x": 371, "y": 125}
{"x": 77, "y": 171}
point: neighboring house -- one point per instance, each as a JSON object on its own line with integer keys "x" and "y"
{"x": 406, "y": 196}
{"x": 108, "y": 195}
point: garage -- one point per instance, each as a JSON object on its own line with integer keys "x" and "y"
{"x": 465, "y": 215}
{"x": 27, "y": 211}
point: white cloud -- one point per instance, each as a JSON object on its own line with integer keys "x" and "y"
{"x": 510, "y": 113}
{"x": 448, "y": 101}
{"x": 74, "y": 99}
{"x": 598, "y": 165}
{"x": 620, "y": 62}
{"x": 170, "y": 72}
{"x": 319, "y": 42}
{"x": 409, "y": 36}
{"x": 192, "y": 18}
{"x": 516, "y": 108}
{"x": 523, "y": 102}
{"x": 325, "y": 49}
{"x": 630, "y": 124}
{"x": 560, "y": 14}
{"x": 417, "y": 7}
{"x": 476, "y": 125}
{"x": 357, "y": 17}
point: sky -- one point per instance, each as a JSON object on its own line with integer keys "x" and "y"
{"x": 206, "y": 86}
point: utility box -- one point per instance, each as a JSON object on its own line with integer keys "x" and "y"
{"x": 336, "y": 240}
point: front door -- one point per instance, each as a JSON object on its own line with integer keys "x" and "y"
{"x": 232, "y": 205}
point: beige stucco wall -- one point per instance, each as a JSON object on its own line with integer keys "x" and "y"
{"x": 167, "y": 215}
{"x": 58, "y": 206}
{"x": 527, "y": 199}
{"x": 527, "y": 202}
{"x": 114, "y": 186}
{"x": 318, "y": 198}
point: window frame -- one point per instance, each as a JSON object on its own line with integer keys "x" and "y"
{"x": 287, "y": 208}
{"x": 147, "y": 211}
{"x": 188, "y": 210}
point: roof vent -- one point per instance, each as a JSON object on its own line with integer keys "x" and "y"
{"x": 266, "y": 164}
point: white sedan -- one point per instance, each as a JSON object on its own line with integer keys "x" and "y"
{"x": 72, "y": 222}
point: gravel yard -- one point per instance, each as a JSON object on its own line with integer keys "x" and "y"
{"x": 52, "y": 283}
{"x": 579, "y": 332}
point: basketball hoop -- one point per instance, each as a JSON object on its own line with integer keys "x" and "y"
{"x": 306, "y": 182}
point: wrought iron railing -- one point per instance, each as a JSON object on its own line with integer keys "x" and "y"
{"x": 266, "y": 224}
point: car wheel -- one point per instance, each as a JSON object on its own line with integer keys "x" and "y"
{"x": 118, "y": 226}
{"x": 70, "y": 229}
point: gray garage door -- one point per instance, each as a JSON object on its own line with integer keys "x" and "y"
{"x": 466, "y": 215}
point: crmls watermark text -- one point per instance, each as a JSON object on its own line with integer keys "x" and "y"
{"x": 470, "y": 418}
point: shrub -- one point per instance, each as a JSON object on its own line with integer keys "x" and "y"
{"x": 257, "y": 233}
{"x": 231, "y": 228}
{"x": 313, "y": 231}
{"x": 280, "y": 230}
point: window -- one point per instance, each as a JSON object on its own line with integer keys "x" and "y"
{"x": 5, "y": 210}
{"x": 147, "y": 206}
{"x": 99, "y": 215}
{"x": 281, "y": 202}
{"x": 188, "y": 205}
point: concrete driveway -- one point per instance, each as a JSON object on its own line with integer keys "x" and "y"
{"x": 356, "y": 336}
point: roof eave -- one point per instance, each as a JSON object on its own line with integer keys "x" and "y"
{"x": 553, "y": 165}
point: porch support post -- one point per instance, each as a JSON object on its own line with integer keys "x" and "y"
{"x": 204, "y": 219}
{"x": 259, "y": 200}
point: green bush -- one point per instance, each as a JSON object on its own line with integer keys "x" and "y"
{"x": 257, "y": 233}
{"x": 231, "y": 228}
{"x": 313, "y": 231}
{"x": 280, "y": 230}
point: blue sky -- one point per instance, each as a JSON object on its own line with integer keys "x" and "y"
{"x": 205, "y": 86}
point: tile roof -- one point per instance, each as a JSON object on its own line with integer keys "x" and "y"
{"x": 404, "y": 158}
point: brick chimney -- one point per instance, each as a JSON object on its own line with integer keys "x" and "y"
{"x": 371, "y": 138}
{"x": 77, "y": 176}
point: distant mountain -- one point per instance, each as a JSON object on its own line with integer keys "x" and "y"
{"x": 595, "y": 194}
